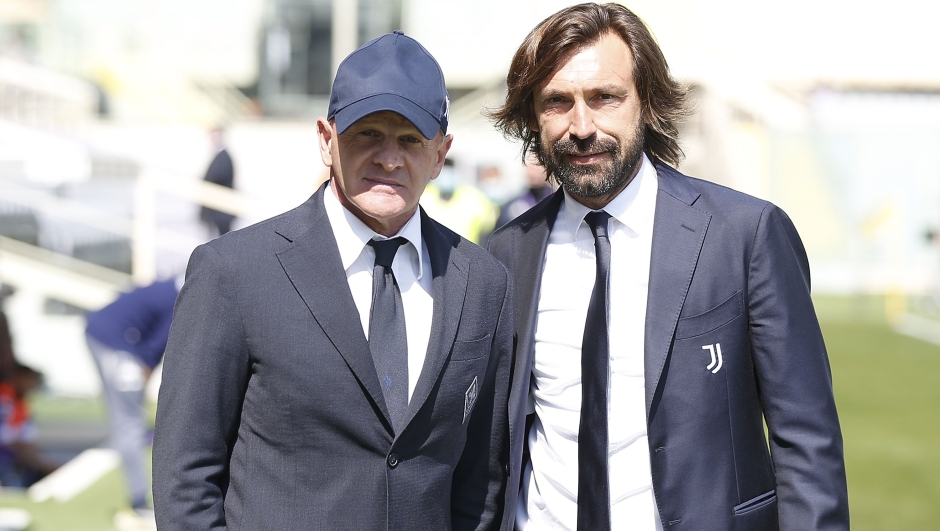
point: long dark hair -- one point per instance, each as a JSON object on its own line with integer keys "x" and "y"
{"x": 553, "y": 41}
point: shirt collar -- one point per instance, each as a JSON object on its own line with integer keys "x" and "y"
{"x": 352, "y": 235}
{"x": 633, "y": 206}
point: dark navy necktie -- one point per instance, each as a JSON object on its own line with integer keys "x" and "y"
{"x": 593, "y": 489}
{"x": 387, "y": 339}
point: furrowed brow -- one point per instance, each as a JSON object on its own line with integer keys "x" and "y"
{"x": 552, "y": 93}
{"x": 611, "y": 88}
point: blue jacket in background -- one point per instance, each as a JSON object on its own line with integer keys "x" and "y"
{"x": 137, "y": 322}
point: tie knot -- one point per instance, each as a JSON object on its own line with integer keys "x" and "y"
{"x": 385, "y": 250}
{"x": 598, "y": 223}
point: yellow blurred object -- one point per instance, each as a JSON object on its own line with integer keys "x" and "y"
{"x": 467, "y": 211}
{"x": 878, "y": 219}
{"x": 895, "y": 306}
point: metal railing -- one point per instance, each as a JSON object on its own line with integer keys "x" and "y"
{"x": 86, "y": 285}
{"x": 59, "y": 276}
{"x": 37, "y": 96}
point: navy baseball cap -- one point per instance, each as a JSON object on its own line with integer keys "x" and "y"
{"x": 391, "y": 73}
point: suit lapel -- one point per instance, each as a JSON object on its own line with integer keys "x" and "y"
{"x": 449, "y": 270}
{"x": 528, "y": 254}
{"x": 312, "y": 262}
{"x": 678, "y": 233}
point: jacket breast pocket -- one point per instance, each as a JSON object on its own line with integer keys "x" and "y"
{"x": 713, "y": 319}
{"x": 471, "y": 350}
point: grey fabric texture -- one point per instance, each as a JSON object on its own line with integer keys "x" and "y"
{"x": 271, "y": 414}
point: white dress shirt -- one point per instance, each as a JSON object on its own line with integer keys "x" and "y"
{"x": 550, "y": 481}
{"x": 412, "y": 272}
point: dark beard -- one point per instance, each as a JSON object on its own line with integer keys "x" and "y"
{"x": 613, "y": 176}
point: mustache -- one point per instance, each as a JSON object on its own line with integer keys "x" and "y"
{"x": 569, "y": 146}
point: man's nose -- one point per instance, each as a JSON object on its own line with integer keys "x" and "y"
{"x": 388, "y": 155}
{"x": 581, "y": 124}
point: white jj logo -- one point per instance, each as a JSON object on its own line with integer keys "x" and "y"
{"x": 715, "y": 365}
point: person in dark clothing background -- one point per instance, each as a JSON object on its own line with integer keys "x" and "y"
{"x": 537, "y": 188}
{"x": 127, "y": 339}
{"x": 7, "y": 359}
{"x": 221, "y": 171}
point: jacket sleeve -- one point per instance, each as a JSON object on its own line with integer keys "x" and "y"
{"x": 205, "y": 375}
{"x": 478, "y": 488}
{"x": 795, "y": 382}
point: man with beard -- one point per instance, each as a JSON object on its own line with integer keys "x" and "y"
{"x": 661, "y": 319}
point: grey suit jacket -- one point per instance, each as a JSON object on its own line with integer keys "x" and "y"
{"x": 271, "y": 415}
{"x": 731, "y": 341}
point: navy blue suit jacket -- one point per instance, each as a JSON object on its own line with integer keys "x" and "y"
{"x": 727, "y": 272}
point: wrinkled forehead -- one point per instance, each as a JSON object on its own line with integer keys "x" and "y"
{"x": 603, "y": 62}
{"x": 388, "y": 120}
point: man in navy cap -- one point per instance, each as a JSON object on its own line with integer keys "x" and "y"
{"x": 344, "y": 365}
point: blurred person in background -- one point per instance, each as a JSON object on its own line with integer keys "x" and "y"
{"x": 490, "y": 181}
{"x": 661, "y": 319}
{"x": 221, "y": 171}
{"x": 127, "y": 339}
{"x": 21, "y": 463}
{"x": 537, "y": 189}
{"x": 344, "y": 365}
{"x": 7, "y": 358}
{"x": 462, "y": 208}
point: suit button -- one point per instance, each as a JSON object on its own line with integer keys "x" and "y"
{"x": 392, "y": 460}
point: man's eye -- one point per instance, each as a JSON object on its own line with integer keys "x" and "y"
{"x": 412, "y": 140}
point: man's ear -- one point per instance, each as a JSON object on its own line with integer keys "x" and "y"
{"x": 533, "y": 124}
{"x": 444, "y": 148}
{"x": 442, "y": 155}
{"x": 326, "y": 135}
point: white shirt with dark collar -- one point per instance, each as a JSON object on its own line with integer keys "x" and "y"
{"x": 550, "y": 481}
{"x": 412, "y": 272}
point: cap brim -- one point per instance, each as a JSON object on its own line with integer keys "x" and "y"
{"x": 422, "y": 120}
